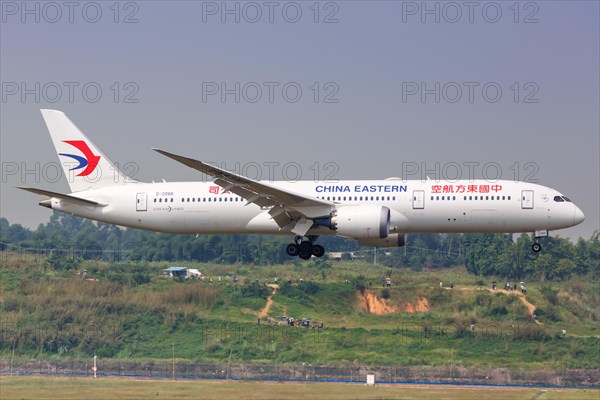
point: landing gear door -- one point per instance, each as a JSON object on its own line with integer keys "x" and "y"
{"x": 527, "y": 199}
{"x": 141, "y": 202}
{"x": 418, "y": 199}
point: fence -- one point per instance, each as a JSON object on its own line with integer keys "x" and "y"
{"x": 589, "y": 378}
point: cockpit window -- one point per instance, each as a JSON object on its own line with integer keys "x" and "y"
{"x": 558, "y": 199}
{"x": 567, "y": 199}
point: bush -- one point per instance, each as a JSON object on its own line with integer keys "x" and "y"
{"x": 550, "y": 294}
{"x": 302, "y": 292}
{"x": 255, "y": 289}
{"x": 359, "y": 283}
{"x": 550, "y": 313}
{"x": 498, "y": 311}
{"x": 140, "y": 278}
{"x": 310, "y": 288}
{"x": 385, "y": 293}
{"x": 483, "y": 299}
{"x": 59, "y": 263}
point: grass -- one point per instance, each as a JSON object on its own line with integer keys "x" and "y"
{"x": 57, "y": 314}
{"x": 38, "y": 387}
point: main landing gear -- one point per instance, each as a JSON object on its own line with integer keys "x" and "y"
{"x": 305, "y": 249}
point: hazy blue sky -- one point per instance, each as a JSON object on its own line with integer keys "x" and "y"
{"x": 383, "y": 85}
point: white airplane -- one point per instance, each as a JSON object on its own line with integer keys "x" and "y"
{"x": 377, "y": 213}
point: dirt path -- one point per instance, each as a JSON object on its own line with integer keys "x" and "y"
{"x": 530, "y": 307}
{"x": 263, "y": 313}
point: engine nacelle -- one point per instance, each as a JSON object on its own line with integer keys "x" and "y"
{"x": 366, "y": 222}
{"x": 393, "y": 240}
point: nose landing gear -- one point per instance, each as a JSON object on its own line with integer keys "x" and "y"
{"x": 537, "y": 247}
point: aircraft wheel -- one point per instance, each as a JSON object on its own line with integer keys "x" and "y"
{"x": 536, "y": 247}
{"x": 304, "y": 255}
{"x": 306, "y": 247}
{"x": 292, "y": 249}
{"x": 318, "y": 250}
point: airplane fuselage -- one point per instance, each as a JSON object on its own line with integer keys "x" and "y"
{"x": 415, "y": 206}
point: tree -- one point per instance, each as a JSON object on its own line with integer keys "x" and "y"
{"x": 544, "y": 265}
{"x": 484, "y": 253}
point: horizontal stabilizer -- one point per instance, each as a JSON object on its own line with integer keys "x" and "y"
{"x": 66, "y": 197}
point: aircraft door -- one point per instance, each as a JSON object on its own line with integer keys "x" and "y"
{"x": 527, "y": 199}
{"x": 141, "y": 202}
{"x": 418, "y": 199}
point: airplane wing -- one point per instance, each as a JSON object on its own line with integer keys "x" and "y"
{"x": 290, "y": 210}
{"x": 62, "y": 196}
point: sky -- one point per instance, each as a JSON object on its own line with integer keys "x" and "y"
{"x": 342, "y": 90}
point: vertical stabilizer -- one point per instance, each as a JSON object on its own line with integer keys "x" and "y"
{"x": 84, "y": 165}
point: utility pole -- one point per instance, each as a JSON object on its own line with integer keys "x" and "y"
{"x": 173, "y": 360}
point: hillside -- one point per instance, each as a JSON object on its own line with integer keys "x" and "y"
{"x": 129, "y": 310}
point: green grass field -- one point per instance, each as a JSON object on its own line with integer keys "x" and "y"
{"x": 128, "y": 312}
{"x": 44, "y": 387}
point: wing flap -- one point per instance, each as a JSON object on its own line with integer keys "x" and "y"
{"x": 263, "y": 194}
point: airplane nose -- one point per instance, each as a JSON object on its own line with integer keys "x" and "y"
{"x": 578, "y": 217}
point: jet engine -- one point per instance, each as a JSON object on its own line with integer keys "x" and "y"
{"x": 359, "y": 222}
{"x": 392, "y": 240}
